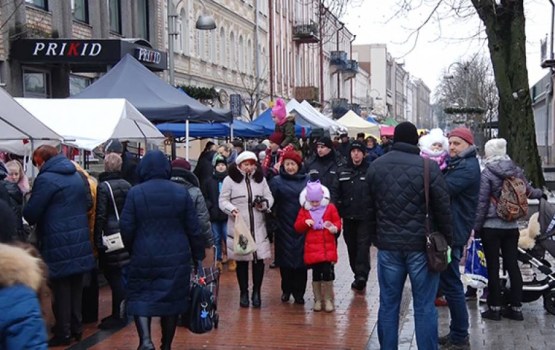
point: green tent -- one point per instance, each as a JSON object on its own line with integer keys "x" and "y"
{"x": 390, "y": 121}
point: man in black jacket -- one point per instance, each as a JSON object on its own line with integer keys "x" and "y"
{"x": 325, "y": 162}
{"x": 398, "y": 218}
{"x": 352, "y": 198}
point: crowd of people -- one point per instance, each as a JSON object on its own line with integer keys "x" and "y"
{"x": 145, "y": 224}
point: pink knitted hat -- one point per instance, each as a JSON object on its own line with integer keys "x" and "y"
{"x": 314, "y": 191}
{"x": 279, "y": 111}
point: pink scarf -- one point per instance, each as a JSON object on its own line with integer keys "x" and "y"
{"x": 317, "y": 214}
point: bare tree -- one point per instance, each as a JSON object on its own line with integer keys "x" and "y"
{"x": 252, "y": 93}
{"x": 504, "y": 24}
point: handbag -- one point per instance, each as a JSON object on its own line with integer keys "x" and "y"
{"x": 243, "y": 242}
{"x": 114, "y": 241}
{"x": 437, "y": 248}
{"x": 475, "y": 270}
{"x": 202, "y": 316}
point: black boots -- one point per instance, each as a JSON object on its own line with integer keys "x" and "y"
{"x": 168, "y": 323}
{"x": 242, "y": 272}
{"x": 257, "y": 276}
{"x": 492, "y": 313}
{"x": 143, "y": 329}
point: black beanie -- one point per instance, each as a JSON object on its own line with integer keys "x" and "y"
{"x": 357, "y": 145}
{"x": 406, "y": 132}
{"x": 325, "y": 141}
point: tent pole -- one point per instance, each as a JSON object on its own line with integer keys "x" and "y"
{"x": 187, "y": 140}
{"x": 231, "y": 130}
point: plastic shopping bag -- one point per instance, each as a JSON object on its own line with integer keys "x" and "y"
{"x": 475, "y": 270}
{"x": 243, "y": 242}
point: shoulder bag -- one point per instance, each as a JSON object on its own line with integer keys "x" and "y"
{"x": 114, "y": 241}
{"x": 436, "y": 244}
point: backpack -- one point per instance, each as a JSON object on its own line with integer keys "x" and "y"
{"x": 513, "y": 201}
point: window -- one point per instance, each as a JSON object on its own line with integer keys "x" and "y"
{"x": 143, "y": 20}
{"x": 232, "y": 62}
{"x": 80, "y": 10}
{"x": 42, "y": 4}
{"x": 36, "y": 84}
{"x": 241, "y": 66}
{"x": 222, "y": 47}
{"x": 212, "y": 48}
{"x": 114, "y": 8}
{"x": 184, "y": 30}
{"x": 78, "y": 83}
{"x": 202, "y": 45}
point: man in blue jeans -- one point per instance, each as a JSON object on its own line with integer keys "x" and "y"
{"x": 463, "y": 183}
{"x": 398, "y": 220}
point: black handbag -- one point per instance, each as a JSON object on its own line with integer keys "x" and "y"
{"x": 437, "y": 248}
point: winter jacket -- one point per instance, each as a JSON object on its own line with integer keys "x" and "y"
{"x": 398, "y": 205}
{"x": 350, "y": 191}
{"x": 160, "y": 228}
{"x": 8, "y": 228}
{"x": 273, "y": 158}
{"x": 320, "y": 245}
{"x": 491, "y": 181}
{"x": 289, "y": 245}
{"x": 374, "y": 153}
{"x": 204, "y": 168}
{"x": 326, "y": 166}
{"x": 288, "y": 131}
{"x": 344, "y": 149}
{"x": 191, "y": 183}
{"x": 211, "y": 190}
{"x": 462, "y": 177}
{"x": 239, "y": 192}
{"x": 90, "y": 184}
{"x": 15, "y": 201}
{"x": 129, "y": 168}
{"x": 106, "y": 222}
{"x": 58, "y": 205}
{"x": 21, "y": 322}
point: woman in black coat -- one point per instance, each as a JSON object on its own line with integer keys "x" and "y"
{"x": 111, "y": 190}
{"x": 289, "y": 245}
{"x": 203, "y": 169}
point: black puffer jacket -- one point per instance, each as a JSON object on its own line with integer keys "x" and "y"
{"x": 398, "y": 206}
{"x": 211, "y": 191}
{"x": 105, "y": 220}
{"x": 190, "y": 181}
{"x": 15, "y": 201}
{"x": 204, "y": 167}
{"x": 326, "y": 166}
{"x": 289, "y": 245}
{"x": 350, "y": 192}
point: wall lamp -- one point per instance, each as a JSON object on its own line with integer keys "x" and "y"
{"x": 205, "y": 21}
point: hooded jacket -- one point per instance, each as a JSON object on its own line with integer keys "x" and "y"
{"x": 21, "y": 323}
{"x": 159, "y": 226}
{"x": 58, "y": 206}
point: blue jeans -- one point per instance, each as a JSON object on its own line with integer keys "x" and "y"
{"x": 393, "y": 267}
{"x": 219, "y": 232}
{"x": 451, "y": 285}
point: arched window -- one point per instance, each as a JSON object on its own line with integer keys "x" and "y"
{"x": 184, "y": 30}
{"x": 222, "y": 47}
{"x": 232, "y": 61}
{"x": 250, "y": 58}
{"x": 202, "y": 45}
{"x": 241, "y": 65}
{"x": 212, "y": 46}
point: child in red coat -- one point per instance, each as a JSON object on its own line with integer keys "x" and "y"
{"x": 320, "y": 221}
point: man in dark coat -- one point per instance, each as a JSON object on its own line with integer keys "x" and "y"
{"x": 462, "y": 177}
{"x": 325, "y": 162}
{"x": 344, "y": 146}
{"x": 398, "y": 216}
{"x": 58, "y": 206}
{"x": 353, "y": 201}
{"x": 129, "y": 161}
{"x": 160, "y": 226}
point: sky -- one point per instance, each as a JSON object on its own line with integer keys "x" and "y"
{"x": 441, "y": 42}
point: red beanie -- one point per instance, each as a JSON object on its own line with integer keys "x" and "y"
{"x": 276, "y": 137}
{"x": 180, "y": 163}
{"x": 294, "y": 156}
{"x": 463, "y": 133}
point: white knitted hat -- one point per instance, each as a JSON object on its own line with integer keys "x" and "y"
{"x": 496, "y": 147}
{"x": 246, "y": 155}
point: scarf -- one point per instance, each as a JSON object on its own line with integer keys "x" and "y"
{"x": 317, "y": 214}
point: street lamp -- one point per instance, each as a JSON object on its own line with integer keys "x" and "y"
{"x": 205, "y": 21}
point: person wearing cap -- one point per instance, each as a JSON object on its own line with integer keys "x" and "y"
{"x": 498, "y": 233}
{"x": 398, "y": 220}
{"x": 352, "y": 198}
{"x": 325, "y": 162}
{"x": 129, "y": 161}
{"x": 285, "y": 125}
{"x": 344, "y": 145}
{"x": 245, "y": 192}
{"x": 289, "y": 245}
{"x": 462, "y": 177}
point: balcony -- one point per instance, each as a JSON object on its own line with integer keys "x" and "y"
{"x": 308, "y": 93}
{"x": 350, "y": 70}
{"x": 339, "y": 107}
{"x": 306, "y": 33}
{"x": 338, "y": 61}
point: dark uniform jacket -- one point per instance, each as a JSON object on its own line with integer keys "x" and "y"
{"x": 350, "y": 192}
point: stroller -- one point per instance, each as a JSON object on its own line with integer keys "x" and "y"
{"x": 542, "y": 281}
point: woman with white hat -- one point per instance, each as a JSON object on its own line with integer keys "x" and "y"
{"x": 245, "y": 193}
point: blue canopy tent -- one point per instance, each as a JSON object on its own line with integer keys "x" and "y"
{"x": 157, "y": 100}
{"x": 372, "y": 120}
{"x": 240, "y": 129}
{"x": 265, "y": 121}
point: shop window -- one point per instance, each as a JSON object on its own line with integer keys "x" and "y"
{"x": 80, "y": 10}
{"x": 78, "y": 83}
{"x": 114, "y": 8}
{"x": 36, "y": 84}
{"x": 143, "y": 21}
{"x": 42, "y": 4}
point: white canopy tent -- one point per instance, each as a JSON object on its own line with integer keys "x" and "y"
{"x": 356, "y": 124}
{"x": 89, "y": 123}
{"x": 312, "y": 117}
{"x": 338, "y": 128}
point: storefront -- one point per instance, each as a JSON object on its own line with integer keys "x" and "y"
{"x": 63, "y": 67}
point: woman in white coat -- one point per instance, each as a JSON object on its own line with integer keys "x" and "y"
{"x": 245, "y": 193}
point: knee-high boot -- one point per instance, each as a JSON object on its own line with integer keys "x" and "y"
{"x": 257, "y": 276}
{"x": 168, "y": 323}
{"x": 143, "y": 328}
{"x": 242, "y": 272}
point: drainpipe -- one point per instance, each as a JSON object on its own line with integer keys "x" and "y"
{"x": 353, "y": 39}
{"x": 321, "y": 8}
{"x": 337, "y": 48}
{"x": 271, "y": 44}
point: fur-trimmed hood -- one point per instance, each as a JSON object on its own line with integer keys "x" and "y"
{"x": 306, "y": 204}
{"x": 17, "y": 266}
{"x": 237, "y": 176}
